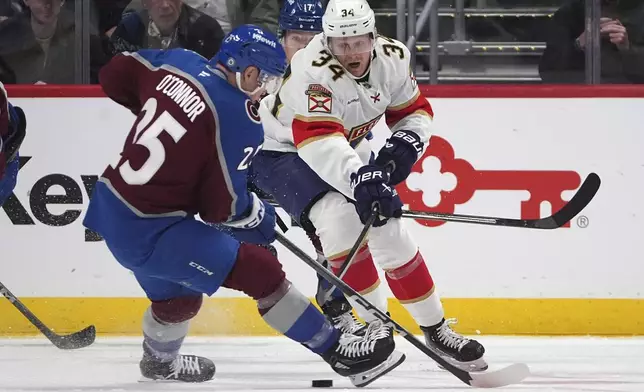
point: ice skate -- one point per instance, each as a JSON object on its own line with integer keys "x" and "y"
{"x": 340, "y": 314}
{"x": 185, "y": 368}
{"x": 366, "y": 358}
{"x": 462, "y": 352}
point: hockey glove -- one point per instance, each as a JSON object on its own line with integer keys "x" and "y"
{"x": 370, "y": 186}
{"x": 400, "y": 152}
{"x": 258, "y": 227}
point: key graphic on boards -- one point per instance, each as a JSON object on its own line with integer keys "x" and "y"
{"x": 543, "y": 185}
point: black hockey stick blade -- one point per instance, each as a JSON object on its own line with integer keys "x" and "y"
{"x": 579, "y": 201}
{"x": 75, "y": 340}
{"x": 490, "y": 379}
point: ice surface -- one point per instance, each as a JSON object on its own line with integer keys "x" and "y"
{"x": 276, "y": 364}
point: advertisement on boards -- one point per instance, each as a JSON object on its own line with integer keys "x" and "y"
{"x": 507, "y": 157}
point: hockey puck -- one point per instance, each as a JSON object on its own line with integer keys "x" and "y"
{"x": 322, "y": 383}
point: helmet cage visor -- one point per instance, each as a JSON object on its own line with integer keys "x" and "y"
{"x": 343, "y": 46}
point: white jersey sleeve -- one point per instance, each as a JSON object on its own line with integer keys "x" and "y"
{"x": 318, "y": 111}
{"x": 277, "y": 136}
{"x": 408, "y": 109}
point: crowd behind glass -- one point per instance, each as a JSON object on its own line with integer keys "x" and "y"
{"x": 480, "y": 41}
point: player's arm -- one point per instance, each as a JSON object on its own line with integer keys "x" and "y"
{"x": 226, "y": 198}
{"x": 119, "y": 80}
{"x": 318, "y": 132}
{"x": 253, "y": 220}
{"x": 409, "y": 116}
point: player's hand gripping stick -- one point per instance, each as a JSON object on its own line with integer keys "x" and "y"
{"x": 373, "y": 217}
{"x": 371, "y": 186}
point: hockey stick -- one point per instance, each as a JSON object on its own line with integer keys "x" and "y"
{"x": 354, "y": 250}
{"x": 76, "y": 340}
{"x": 491, "y": 379}
{"x": 579, "y": 201}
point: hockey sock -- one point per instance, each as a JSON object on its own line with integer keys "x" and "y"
{"x": 414, "y": 288}
{"x": 163, "y": 340}
{"x": 288, "y": 311}
{"x": 362, "y": 276}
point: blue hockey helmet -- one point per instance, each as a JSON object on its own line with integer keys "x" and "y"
{"x": 303, "y": 15}
{"x": 249, "y": 45}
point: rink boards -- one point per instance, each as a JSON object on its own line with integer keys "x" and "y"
{"x": 507, "y": 151}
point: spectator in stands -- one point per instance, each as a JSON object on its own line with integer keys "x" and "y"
{"x": 232, "y": 13}
{"x": 109, "y": 14}
{"x": 37, "y": 45}
{"x": 165, "y": 24}
{"x": 622, "y": 43}
{"x": 9, "y": 8}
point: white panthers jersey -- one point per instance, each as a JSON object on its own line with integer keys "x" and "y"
{"x": 325, "y": 114}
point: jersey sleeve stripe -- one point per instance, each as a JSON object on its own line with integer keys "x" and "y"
{"x": 309, "y": 129}
{"x": 404, "y": 105}
{"x": 417, "y": 106}
{"x": 220, "y": 152}
{"x": 309, "y": 119}
{"x": 316, "y": 138}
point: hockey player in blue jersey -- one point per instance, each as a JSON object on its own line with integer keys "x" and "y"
{"x": 12, "y": 133}
{"x": 196, "y": 133}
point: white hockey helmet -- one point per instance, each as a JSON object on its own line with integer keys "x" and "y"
{"x": 348, "y": 18}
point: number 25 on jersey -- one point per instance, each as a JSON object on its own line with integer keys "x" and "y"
{"x": 147, "y": 135}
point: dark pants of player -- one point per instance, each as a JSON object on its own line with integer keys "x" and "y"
{"x": 9, "y": 179}
{"x": 295, "y": 186}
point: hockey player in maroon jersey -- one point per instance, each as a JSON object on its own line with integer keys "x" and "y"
{"x": 196, "y": 132}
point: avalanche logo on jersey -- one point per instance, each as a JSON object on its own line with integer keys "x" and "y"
{"x": 357, "y": 133}
{"x": 252, "y": 111}
{"x": 320, "y": 100}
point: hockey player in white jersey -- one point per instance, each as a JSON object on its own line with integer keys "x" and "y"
{"x": 299, "y": 22}
{"x": 318, "y": 164}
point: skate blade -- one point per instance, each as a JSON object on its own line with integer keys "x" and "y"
{"x": 365, "y": 378}
{"x": 144, "y": 379}
{"x": 478, "y": 365}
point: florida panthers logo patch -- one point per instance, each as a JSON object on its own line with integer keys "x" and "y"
{"x": 357, "y": 133}
{"x": 320, "y": 99}
{"x": 252, "y": 111}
